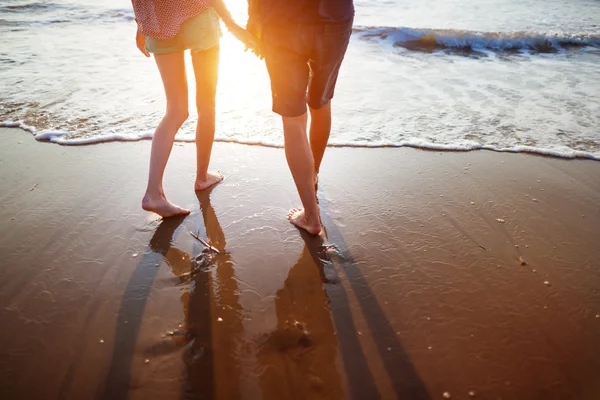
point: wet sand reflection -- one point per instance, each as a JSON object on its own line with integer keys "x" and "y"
{"x": 222, "y": 297}
{"x": 212, "y": 313}
{"x": 315, "y": 350}
{"x": 299, "y": 358}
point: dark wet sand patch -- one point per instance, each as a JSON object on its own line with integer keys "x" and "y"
{"x": 420, "y": 291}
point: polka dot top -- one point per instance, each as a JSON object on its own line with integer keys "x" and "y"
{"x": 161, "y": 19}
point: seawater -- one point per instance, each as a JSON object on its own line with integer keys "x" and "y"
{"x": 448, "y": 74}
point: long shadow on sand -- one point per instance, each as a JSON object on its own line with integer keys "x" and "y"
{"x": 132, "y": 308}
{"x": 405, "y": 380}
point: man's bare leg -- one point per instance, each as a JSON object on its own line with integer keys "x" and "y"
{"x": 206, "y": 70}
{"x": 172, "y": 72}
{"x": 301, "y": 163}
{"x": 320, "y": 129}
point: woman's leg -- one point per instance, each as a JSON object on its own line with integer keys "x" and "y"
{"x": 206, "y": 70}
{"x": 172, "y": 72}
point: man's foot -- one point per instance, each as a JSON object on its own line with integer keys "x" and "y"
{"x": 298, "y": 217}
{"x": 212, "y": 178}
{"x": 162, "y": 207}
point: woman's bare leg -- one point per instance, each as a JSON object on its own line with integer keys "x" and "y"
{"x": 206, "y": 71}
{"x": 172, "y": 72}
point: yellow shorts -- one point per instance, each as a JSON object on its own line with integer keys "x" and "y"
{"x": 198, "y": 33}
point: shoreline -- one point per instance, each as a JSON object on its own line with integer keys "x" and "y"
{"x": 418, "y": 287}
{"x": 56, "y": 138}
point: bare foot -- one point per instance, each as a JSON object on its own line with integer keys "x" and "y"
{"x": 212, "y": 178}
{"x": 317, "y": 187}
{"x": 162, "y": 207}
{"x": 297, "y": 217}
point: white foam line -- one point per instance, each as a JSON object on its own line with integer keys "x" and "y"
{"x": 568, "y": 154}
{"x": 62, "y": 139}
{"x": 18, "y": 124}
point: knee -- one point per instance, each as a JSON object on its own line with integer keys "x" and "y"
{"x": 206, "y": 110}
{"x": 178, "y": 114}
{"x": 322, "y": 111}
{"x": 295, "y": 121}
{"x": 294, "y": 125}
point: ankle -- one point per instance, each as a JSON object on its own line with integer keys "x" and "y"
{"x": 312, "y": 218}
{"x": 154, "y": 194}
{"x": 202, "y": 175}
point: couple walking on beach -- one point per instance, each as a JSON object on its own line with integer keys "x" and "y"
{"x": 303, "y": 43}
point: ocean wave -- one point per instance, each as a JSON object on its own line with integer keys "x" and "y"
{"x": 62, "y": 138}
{"x": 28, "y": 14}
{"x": 432, "y": 39}
{"x": 28, "y": 7}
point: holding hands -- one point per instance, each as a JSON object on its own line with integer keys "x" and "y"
{"x": 252, "y": 43}
{"x": 240, "y": 33}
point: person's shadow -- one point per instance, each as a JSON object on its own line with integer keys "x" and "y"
{"x": 314, "y": 319}
{"x": 133, "y": 304}
{"x": 405, "y": 379}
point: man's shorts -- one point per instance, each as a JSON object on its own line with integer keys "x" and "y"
{"x": 303, "y": 62}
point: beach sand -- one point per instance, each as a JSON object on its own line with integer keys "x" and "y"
{"x": 442, "y": 272}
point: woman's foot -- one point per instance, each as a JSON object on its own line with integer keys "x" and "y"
{"x": 212, "y": 178}
{"x": 317, "y": 187}
{"x": 298, "y": 217}
{"x": 163, "y": 207}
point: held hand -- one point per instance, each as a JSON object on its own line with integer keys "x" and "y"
{"x": 247, "y": 38}
{"x": 140, "y": 41}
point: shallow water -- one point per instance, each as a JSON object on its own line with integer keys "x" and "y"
{"x": 501, "y": 75}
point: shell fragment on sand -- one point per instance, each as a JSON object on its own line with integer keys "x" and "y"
{"x": 522, "y": 261}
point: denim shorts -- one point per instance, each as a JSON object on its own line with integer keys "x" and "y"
{"x": 198, "y": 33}
{"x": 304, "y": 62}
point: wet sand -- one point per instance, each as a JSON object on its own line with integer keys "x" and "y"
{"x": 417, "y": 290}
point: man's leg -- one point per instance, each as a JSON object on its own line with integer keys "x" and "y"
{"x": 286, "y": 55}
{"x": 320, "y": 128}
{"x": 300, "y": 161}
{"x": 328, "y": 52}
